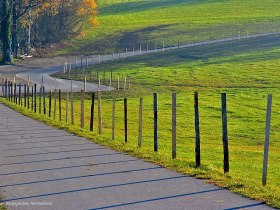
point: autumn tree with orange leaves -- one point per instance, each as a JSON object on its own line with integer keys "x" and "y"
{"x": 29, "y": 24}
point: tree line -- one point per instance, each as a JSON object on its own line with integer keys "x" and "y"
{"x": 28, "y": 24}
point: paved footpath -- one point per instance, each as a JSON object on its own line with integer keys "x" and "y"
{"x": 46, "y": 168}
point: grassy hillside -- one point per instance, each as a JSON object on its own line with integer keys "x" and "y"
{"x": 129, "y": 23}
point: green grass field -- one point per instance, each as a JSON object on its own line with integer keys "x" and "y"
{"x": 129, "y": 23}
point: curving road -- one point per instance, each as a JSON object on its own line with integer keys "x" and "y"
{"x": 36, "y": 76}
{"x": 51, "y": 82}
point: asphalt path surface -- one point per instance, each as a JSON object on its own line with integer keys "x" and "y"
{"x": 46, "y": 168}
{"x": 42, "y": 76}
{"x": 36, "y": 75}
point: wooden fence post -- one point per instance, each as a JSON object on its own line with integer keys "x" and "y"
{"x": 25, "y": 95}
{"x": 15, "y": 93}
{"x": 12, "y": 97}
{"x": 6, "y": 87}
{"x": 124, "y": 87}
{"x": 55, "y": 99}
{"x": 59, "y": 104}
{"x": 155, "y": 122}
{"x": 19, "y": 95}
{"x": 35, "y": 98}
{"x": 66, "y": 110}
{"x": 28, "y": 102}
{"x": 266, "y": 143}
{"x": 140, "y": 130}
{"x": 197, "y": 131}
{"x": 85, "y": 84}
{"x": 72, "y": 104}
{"x": 125, "y": 120}
{"x": 82, "y": 110}
{"x": 8, "y": 91}
{"x": 32, "y": 98}
{"x": 44, "y": 100}
{"x": 113, "y": 118}
{"x": 174, "y": 137}
{"x": 40, "y": 102}
{"x": 225, "y": 133}
{"x": 50, "y": 103}
{"x": 99, "y": 114}
{"x": 11, "y": 92}
{"x": 92, "y": 112}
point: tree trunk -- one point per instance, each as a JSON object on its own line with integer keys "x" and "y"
{"x": 14, "y": 32}
{"x": 28, "y": 44}
{"x": 6, "y": 32}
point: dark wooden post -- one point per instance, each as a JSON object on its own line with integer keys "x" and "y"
{"x": 6, "y": 88}
{"x": 50, "y": 103}
{"x": 155, "y": 122}
{"x": 174, "y": 134}
{"x": 10, "y": 91}
{"x": 44, "y": 101}
{"x": 266, "y": 142}
{"x": 25, "y": 95}
{"x": 125, "y": 120}
{"x": 28, "y": 104}
{"x": 197, "y": 131}
{"x": 66, "y": 110}
{"x": 19, "y": 95}
{"x": 40, "y": 100}
{"x": 59, "y": 104}
{"x": 140, "y": 129}
{"x": 35, "y": 99}
{"x": 92, "y": 112}
{"x": 225, "y": 132}
{"x": 32, "y": 95}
